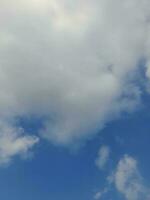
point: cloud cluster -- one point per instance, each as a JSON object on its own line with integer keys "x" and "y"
{"x": 73, "y": 63}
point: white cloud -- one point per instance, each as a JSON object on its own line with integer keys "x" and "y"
{"x": 103, "y": 156}
{"x": 128, "y": 180}
{"x": 71, "y": 61}
{"x": 13, "y": 143}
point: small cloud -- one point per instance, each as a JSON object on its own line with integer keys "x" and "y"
{"x": 103, "y": 157}
{"x": 99, "y": 194}
{"x": 128, "y": 180}
{"x": 13, "y": 142}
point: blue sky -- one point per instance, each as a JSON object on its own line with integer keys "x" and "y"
{"x": 74, "y": 100}
{"x": 58, "y": 174}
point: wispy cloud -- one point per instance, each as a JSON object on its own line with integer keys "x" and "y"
{"x": 127, "y": 181}
{"x": 100, "y": 194}
{"x": 14, "y": 142}
{"x": 103, "y": 157}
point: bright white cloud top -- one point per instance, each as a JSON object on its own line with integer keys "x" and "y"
{"x": 73, "y": 62}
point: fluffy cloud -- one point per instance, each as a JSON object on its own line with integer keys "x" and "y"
{"x": 72, "y": 63}
{"x": 103, "y": 156}
{"x": 13, "y": 142}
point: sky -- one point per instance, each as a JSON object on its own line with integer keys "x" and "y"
{"x": 74, "y": 99}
